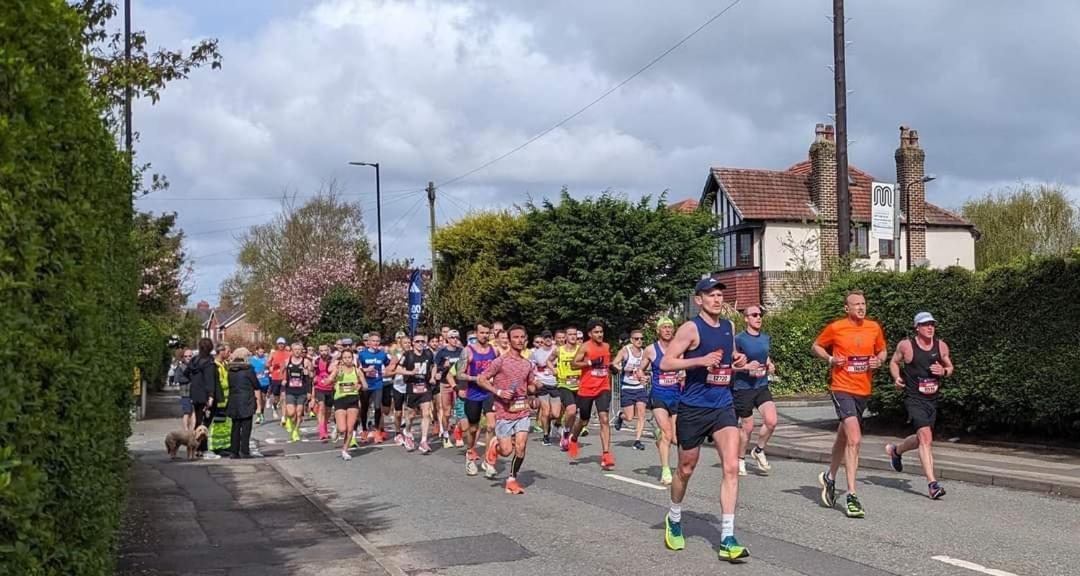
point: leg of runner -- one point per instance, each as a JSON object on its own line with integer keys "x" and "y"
{"x": 407, "y": 439}
{"x": 639, "y": 411}
{"x": 923, "y": 440}
{"x": 473, "y": 414}
{"x": 362, "y": 417}
{"x": 665, "y": 423}
{"x": 351, "y": 414}
{"x": 569, "y": 419}
{"x": 545, "y": 417}
{"x": 727, "y": 447}
{"x": 845, "y": 449}
{"x": 603, "y": 407}
{"x": 446, "y": 405}
{"x": 341, "y": 416}
{"x": 521, "y": 441}
{"x": 425, "y": 425}
{"x": 377, "y": 416}
{"x": 768, "y": 426}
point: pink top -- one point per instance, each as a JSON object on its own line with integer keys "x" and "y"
{"x": 322, "y": 370}
{"x": 511, "y": 372}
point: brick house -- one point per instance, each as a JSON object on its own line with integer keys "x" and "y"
{"x": 230, "y": 325}
{"x": 764, "y": 215}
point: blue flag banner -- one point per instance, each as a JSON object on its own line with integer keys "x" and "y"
{"x": 416, "y": 300}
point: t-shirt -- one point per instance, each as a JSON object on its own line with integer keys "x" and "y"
{"x": 259, "y": 366}
{"x": 372, "y": 362}
{"x": 755, "y": 348}
{"x": 511, "y": 372}
{"x": 539, "y": 358}
{"x": 277, "y": 364}
{"x": 595, "y": 378}
{"x": 444, "y": 359}
{"x": 423, "y": 363}
{"x": 857, "y": 343}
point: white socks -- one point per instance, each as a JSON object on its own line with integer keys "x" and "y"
{"x": 675, "y": 512}
{"x": 727, "y": 525}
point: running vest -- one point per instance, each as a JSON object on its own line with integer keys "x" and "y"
{"x": 539, "y": 358}
{"x": 478, "y": 363}
{"x": 399, "y": 381}
{"x": 665, "y": 385}
{"x": 566, "y": 375}
{"x": 322, "y": 371}
{"x": 710, "y": 387}
{"x": 596, "y": 378}
{"x": 629, "y": 370}
{"x": 918, "y": 381}
{"x": 294, "y": 378}
{"x": 347, "y": 384}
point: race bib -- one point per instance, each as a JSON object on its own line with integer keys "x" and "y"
{"x": 719, "y": 375}
{"x": 928, "y": 386}
{"x": 296, "y": 382}
{"x": 858, "y": 364}
{"x": 759, "y": 373}
{"x": 419, "y": 388}
{"x": 571, "y": 381}
{"x": 541, "y": 369}
{"x": 348, "y": 388}
{"x": 519, "y": 404}
{"x": 599, "y": 372}
{"x": 668, "y": 379}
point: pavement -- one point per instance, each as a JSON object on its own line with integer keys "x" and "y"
{"x": 302, "y": 510}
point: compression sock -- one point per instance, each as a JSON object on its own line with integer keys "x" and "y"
{"x": 675, "y": 512}
{"x": 515, "y": 465}
{"x": 727, "y": 525}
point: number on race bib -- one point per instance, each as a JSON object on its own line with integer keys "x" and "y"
{"x": 719, "y": 376}
{"x": 571, "y": 381}
{"x": 296, "y": 383}
{"x": 928, "y": 386}
{"x": 599, "y": 372}
{"x": 668, "y": 379}
{"x": 858, "y": 364}
{"x": 419, "y": 388}
{"x": 519, "y": 405}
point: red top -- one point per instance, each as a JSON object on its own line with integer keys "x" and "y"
{"x": 278, "y": 358}
{"x": 514, "y": 373}
{"x": 595, "y": 379}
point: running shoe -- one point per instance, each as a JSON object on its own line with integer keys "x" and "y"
{"x": 345, "y": 455}
{"x": 489, "y": 470}
{"x": 673, "y": 537}
{"x": 380, "y": 437}
{"x": 536, "y": 429}
{"x": 472, "y": 455}
{"x": 399, "y": 439}
{"x": 618, "y": 422}
{"x": 742, "y": 467}
{"x": 585, "y": 430}
{"x": 490, "y": 455}
{"x": 353, "y": 443}
{"x": 288, "y": 424}
{"x": 759, "y": 457}
{"x": 607, "y": 461}
{"x": 409, "y": 444}
{"x": 731, "y": 550}
{"x": 512, "y": 487}
{"x": 828, "y": 490}
{"x": 665, "y": 476}
{"x": 572, "y": 449}
{"x": 854, "y": 508}
{"x": 936, "y": 491}
{"x": 210, "y": 456}
{"x": 895, "y": 458}
{"x": 284, "y": 420}
{"x": 638, "y": 445}
{"x": 564, "y": 444}
{"x": 470, "y": 467}
{"x": 364, "y": 436}
{"x": 295, "y": 437}
{"x": 547, "y": 441}
{"x": 447, "y": 443}
{"x": 425, "y": 448}
{"x": 259, "y": 419}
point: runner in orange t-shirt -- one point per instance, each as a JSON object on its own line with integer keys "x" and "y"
{"x": 277, "y": 374}
{"x": 854, "y": 347}
{"x": 594, "y": 360}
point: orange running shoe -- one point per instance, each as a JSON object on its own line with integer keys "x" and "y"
{"x": 364, "y": 437}
{"x": 379, "y": 437}
{"x": 512, "y": 487}
{"x": 607, "y": 461}
{"x": 573, "y": 450}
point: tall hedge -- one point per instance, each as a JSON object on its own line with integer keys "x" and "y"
{"x": 66, "y": 303}
{"x": 1012, "y": 331}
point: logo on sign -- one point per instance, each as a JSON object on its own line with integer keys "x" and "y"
{"x": 882, "y": 209}
{"x": 414, "y": 289}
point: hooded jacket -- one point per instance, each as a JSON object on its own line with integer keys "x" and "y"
{"x": 242, "y": 386}
{"x": 205, "y": 381}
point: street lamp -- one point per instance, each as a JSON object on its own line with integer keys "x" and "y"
{"x": 905, "y": 194}
{"x": 378, "y": 205}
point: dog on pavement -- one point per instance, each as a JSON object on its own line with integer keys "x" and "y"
{"x": 188, "y": 438}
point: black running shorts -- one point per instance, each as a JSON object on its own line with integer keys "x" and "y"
{"x": 696, "y": 424}
{"x": 585, "y": 404}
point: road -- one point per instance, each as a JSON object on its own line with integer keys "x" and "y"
{"x": 423, "y": 515}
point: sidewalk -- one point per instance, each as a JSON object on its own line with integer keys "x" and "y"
{"x": 223, "y": 517}
{"x": 806, "y": 432}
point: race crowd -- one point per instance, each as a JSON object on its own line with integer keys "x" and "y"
{"x": 701, "y": 382}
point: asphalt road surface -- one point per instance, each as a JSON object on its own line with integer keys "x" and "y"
{"x": 423, "y": 515}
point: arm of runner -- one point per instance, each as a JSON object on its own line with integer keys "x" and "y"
{"x": 647, "y": 358}
{"x": 945, "y": 362}
{"x": 579, "y": 358}
{"x": 531, "y": 384}
{"x": 553, "y": 360}
{"x": 878, "y": 359}
{"x": 619, "y": 360}
{"x": 825, "y": 339}
{"x": 894, "y": 365}
{"x": 484, "y": 379}
{"x": 685, "y": 337}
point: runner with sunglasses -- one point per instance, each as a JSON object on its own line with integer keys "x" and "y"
{"x": 751, "y": 390}
{"x": 632, "y": 393}
{"x": 664, "y": 396}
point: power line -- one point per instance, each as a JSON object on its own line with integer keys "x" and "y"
{"x": 581, "y": 110}
{"x": 401, "y": 193}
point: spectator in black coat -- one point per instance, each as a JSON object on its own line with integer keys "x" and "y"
{"x": 241, "y": 406}
{"x": 205, "y": 385}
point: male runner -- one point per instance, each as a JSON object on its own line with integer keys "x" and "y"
{"x": 373, "y": 361}
{"x": 594, "y": 360}
{"x": 324, "y": 391}
{"x": 399, "y": 388}
{"x": 854, "y": 347}
{"x": 926, "y": 361}
{"x": 511, "y": 379}
{"x": 705, "y": 348}
{"x": 664, "y": 396}
{"x": 478, "y": 402}
{"x": 568, "y": 380}
{"x": 632, "y": 393}
{"x": 444, "y": 359}
{"x": 259, "y": 364}
{"x": 550, "y": 406}
{"x": 298, "y": 372}
{"x": 277, "y": 374}
{"x": 416, "y": 366}
{"x": 752, "y": 390}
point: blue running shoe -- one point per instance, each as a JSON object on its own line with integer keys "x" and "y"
{"x": 894, "y": 457}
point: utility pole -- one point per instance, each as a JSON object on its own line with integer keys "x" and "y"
{"x": 127, "y": 87}
{"x": 843, "y": 195}
{"x": 431, "y": 215}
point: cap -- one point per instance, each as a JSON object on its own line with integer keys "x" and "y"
{"x": 923, "y": 318}
{"x": 281, "y": 340}
{"x": 347, "y": 341}
{"x": 706, "y": 284}
{"x": 665, "y": 321}
{"x": 545, "y": 334}
{"x": 453, "y": 334}
{"x": 399, "y": 334}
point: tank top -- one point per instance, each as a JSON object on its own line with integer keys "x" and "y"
{"x": 565, "y": 374}
{"x": 294, "y": 377}
{"x": 477, "y": 364}
{"x": 399, "y": 380}
{"x": 539, "y": 358}
{"x": 918, "y": 381}
{"x": 710, "y": 387}
{"x": 348, "y": 384}
{"x": 322, "y": 371}
{"x": 630, "y": 367}
{"x": 596, "y": 378}
{"x": 665, "y": 385}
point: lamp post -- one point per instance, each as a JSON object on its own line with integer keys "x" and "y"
{"x": 896, "y": 224}
{"x": 378, "y": 205}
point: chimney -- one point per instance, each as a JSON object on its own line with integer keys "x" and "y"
{"x": 910, "y": 170}
{"x": 202, "y": 305}
{"x": 823, "y": 190}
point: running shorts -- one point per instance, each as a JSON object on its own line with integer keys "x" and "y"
{"x": 922, "y": 412}
{"x": 413, "y": 401}
{"x": 324, "y": 396}
{"x": 475, "y": 409}
{"x": 398, "y": 398}
{"x": 295, "y": 399}
{"x": 657, "y": 403}
{"x": 696, "y": 424}
{"x": 509, "y": 428}
{"x": 186, "y": 407}
{"x": 585, "y": 404}
{"x": 567, "y": 397}
{"x": 747, "y": 400}
{"x": 630, "y": 397}
{"x": 848, "y": 405}
{"x": 275, "y": 387}
{"x": 347, "y": 402}
{"x": 387, "y": 397}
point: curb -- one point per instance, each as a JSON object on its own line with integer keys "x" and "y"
{"x": 781, "y": 403}
{"x": 945, "y": 473}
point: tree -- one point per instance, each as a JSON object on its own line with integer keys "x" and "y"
{"x": 1024, "y": 221}
{"x": 342, "y": 310}
{"x": 166, "y": 271}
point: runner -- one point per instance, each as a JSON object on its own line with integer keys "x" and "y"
{"x": 752, "y": 390}
{"x": 926, "y": 361}
{"x": 705, "y": 348}
{"x": 259, "y": 363}
{"x": 478, "y": 402}
{"x": 373, "y": 361}
{"x": 502, "y": 342}
{"x": 585, "y": 428}
{"x": 298, "y": 372}
{"x": 324, "y": 391}
{"x": 396, "y": 398}
{"x": 349, "y": 383}
{"x": 664, "y": 396}
{"x": 550, "y": 405}
{"x": 511, "y": 379}
{"x": 416, "y": 366}
{"x": 435, "y": 344}
{"x": 277, "y": 374}
{"x": 854, "y": 347}
{"x": 567, "y": 381}
{"x": 632, "y": 393}
{"x": 594, "y": 359}
{"x": 444, "y": 360}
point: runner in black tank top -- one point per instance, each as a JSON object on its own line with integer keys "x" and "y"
{"x": 926, "y": 362}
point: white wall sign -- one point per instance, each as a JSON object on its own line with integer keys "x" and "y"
{"x": 883, "y": 203}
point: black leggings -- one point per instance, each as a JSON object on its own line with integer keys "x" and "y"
{"x": 241, "y": 436}
{"x": 201, "y": 419}
{"x": 369, "y": 398}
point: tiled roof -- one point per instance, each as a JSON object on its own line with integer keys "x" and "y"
{"x": 688, "y": 205}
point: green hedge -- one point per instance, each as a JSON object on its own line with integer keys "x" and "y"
{"x": 67, "y": 296}
{"x": 1012, "y": 332}
{"x": 151, "y": 350}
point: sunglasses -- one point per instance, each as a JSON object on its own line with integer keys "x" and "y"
{"x": 635, "y": 338}
{"x": 419, "y": 341}
{"x": 931, "y": 324}
{"x": 754, "y": 315}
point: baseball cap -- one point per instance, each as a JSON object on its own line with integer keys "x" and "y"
{"x": 923, "y": 318}
{"x": 665, "y": 321}
{"x": 706, "y": 284}
{"x": 545, "y": 334}
{"x": 399, "y": 334}
{"x": 347, "y": 341}
{"x": 453, "y": 334}
{"x": 281, "y": 340}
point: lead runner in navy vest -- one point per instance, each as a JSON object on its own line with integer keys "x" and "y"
{"x": 705, "y": 348}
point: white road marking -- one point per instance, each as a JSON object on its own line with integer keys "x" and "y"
{"x": 637, "y": 482}
{"x": 972, "y": 566}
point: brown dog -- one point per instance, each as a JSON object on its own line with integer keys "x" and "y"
{"x": 189, "y": 438}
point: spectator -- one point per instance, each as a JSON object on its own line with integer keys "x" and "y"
{"x": 241, "y": 407}
{"x": 205, "y": 388}
{"x": 183, "y": 384}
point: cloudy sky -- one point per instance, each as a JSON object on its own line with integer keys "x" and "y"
{"x": 434, "y": 89}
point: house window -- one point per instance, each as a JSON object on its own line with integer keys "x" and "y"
{"x": 745, "y": 244}
{"x": 862, "y": 242}
{"x": 885, "y": 249}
